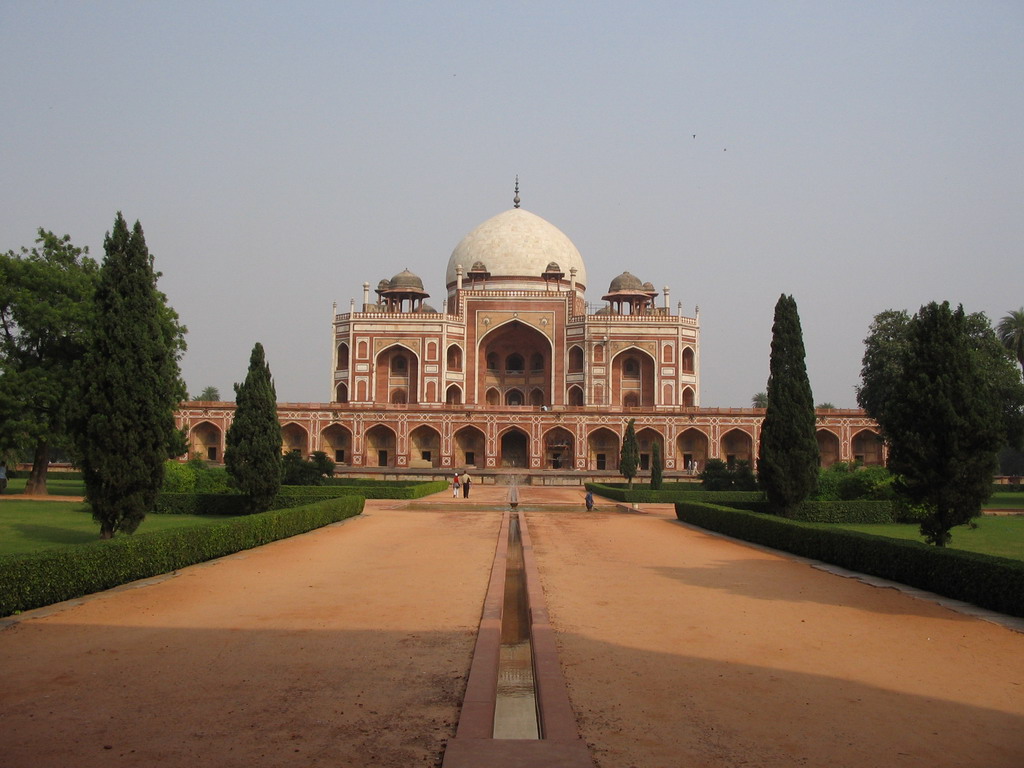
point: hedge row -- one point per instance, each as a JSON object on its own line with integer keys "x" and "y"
{"x": 287, "y": 496}
{"x": 990, "y": 582}
{"x": 646, "y": 495}
{"x": 844, "y": 512}
{"x": 43, "y": 578}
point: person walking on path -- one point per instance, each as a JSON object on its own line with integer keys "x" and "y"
{"x": 3, "y": 476}
{"x": 455, "y": 486}
{"x": 589, "y": 501}
{"x": 466, "y": 481}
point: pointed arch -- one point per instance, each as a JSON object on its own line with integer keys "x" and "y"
{"x": 294, "y": 437}
{"x": 602, "y": 449}
{"x": 828, "y": 446}
{"x": 424, "y": 447}
{"x": 336, "y": 442}
{"x": 633, "y": 378}
{"x": 379, "y": 447}
{"x": 206, "y": 440}
{"x": 737, "y": 445}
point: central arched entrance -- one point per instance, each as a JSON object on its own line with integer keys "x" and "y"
{"x": 518, "y": 361}
{"x": 515, "y": 449}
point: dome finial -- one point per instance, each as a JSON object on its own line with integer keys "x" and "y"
{"x": 515, "y": 200}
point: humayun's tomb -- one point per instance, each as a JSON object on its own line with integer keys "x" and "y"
{"x": 517, "y": 372}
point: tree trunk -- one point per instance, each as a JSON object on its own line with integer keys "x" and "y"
{"x": 36, "y": 485}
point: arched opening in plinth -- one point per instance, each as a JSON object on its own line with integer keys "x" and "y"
{"x": 646, "y": 439}
{"x": 424, "y": 447}
{"x": 867, "y": 448}
{"x": 602, "y": 449}
{"x": 828, "y": 447}
{"x": 692, "y": 450}
{"x": 737, "y": 446}
{"x": 337, "y": 443}
{"x": 204, "y": 441}
{"x": 559, "y": 452}
{"x": 294, "y": 439}
{"x": 469, "y": 444}
{"x": 515, "y": 449}
{"x": 379, "y": 447}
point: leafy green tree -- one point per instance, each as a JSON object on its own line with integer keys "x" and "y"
{"x": 716, "y": 476}
{"x": 629, "y": 458}
{"x": 826, "y": 406}
{"x": 657, "y": 466}
{"x": 743, "y": 478}
{"x": 943, "y": 419}
{"x": 130, "y": 386}
{"x": 253, "y": 441}
{"x": 45, "y": 306}
{"x": 760, "y": 400}
{"x": 789, "y": 458}
{"x": 298, "y": 471}
{"x": 209, "y": 394}
{"x": 885, "y": 350}
{"x": 1011, "y": 334}
{"x": 323, "y": 463}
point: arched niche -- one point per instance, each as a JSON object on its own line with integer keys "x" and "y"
{"x": 379, "y": 447}
{"x": 336, "y": 442}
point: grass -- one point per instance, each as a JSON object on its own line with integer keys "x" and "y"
{"x": 1006, "y": 500}
{"x": 31, "y": 526}
{"x": 1000, "y": 536}
{"x": 56, "y": 485}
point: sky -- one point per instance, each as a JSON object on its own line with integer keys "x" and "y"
{"x": 860, "y": 156}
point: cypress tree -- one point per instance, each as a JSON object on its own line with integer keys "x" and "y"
{"x": 253, "y": 442}
{"x": 629, "y": 459}
{"x": 656, "y": 466}
{"x": 788, "y": 459}
{"x": 130, "y": 386}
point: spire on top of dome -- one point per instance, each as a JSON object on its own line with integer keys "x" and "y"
{"x": 515, "y": 200}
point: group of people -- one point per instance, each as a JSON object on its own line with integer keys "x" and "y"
{"x": 463, "y": 481}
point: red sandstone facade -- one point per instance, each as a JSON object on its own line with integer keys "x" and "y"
{"x": 517, "y": 371}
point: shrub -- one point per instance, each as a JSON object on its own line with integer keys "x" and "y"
{"x": 858, "y": 511}
{"x": 991, "y": 582}
{"x": 178, "y": 478}
{"x": 42, "y": 578}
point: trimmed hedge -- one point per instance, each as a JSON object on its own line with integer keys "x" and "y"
{"x": 287, "y": 496}
{"x": 43, "y": 578}
{"x": 668, "y": 495}
{"x": 844, "y": 512}
{"x": 990, "y": 582}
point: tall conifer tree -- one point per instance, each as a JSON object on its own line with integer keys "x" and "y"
{"x": 130, "y": 386}
{"x": 629, "y": 458}
{"x": 657, "y": 466}
{"x": 253, "y": 453}
{"x": 788, "y": 462}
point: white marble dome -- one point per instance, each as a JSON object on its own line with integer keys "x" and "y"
{"x": 517, "y": 243}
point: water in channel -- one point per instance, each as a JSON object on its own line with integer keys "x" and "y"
{"x": 515, "y": 708}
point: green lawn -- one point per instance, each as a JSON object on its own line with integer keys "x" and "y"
{"x": 29, "y": 526}
{"x": 57, "y": 484}
{"x": 1006, "y": 500}
{"x": 1001, "y": 536}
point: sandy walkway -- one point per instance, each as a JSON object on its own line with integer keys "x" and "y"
{"x": 349, "y": 646}
{"x": 682, "y": 649}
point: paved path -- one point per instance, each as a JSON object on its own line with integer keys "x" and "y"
{"x": 349, "y": 646}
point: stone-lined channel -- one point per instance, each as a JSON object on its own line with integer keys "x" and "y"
{"x": 521, "y": 677}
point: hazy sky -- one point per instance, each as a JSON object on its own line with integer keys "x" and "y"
{"x": 859, "y": 155}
